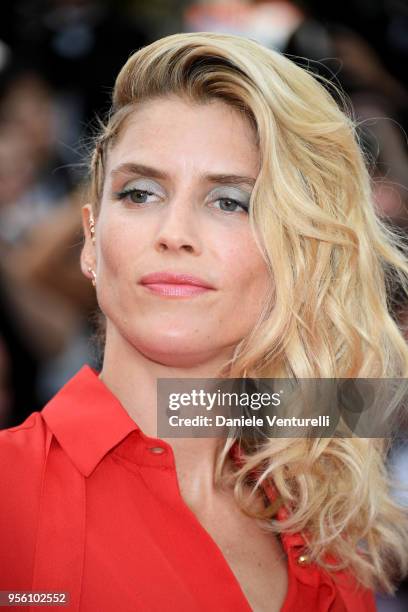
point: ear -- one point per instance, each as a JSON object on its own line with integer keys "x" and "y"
{"x": 88, "y": 255}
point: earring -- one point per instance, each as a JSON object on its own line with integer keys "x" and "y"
{"x": 92, "y": 228}
{"x": 93, "y": 276}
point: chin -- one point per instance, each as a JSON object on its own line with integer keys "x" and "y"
{"x": 176, "y": 352}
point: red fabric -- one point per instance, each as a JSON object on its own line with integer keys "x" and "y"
{"x": 87, "y": 507}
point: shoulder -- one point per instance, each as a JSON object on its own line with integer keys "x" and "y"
{"x": 22, "y": 453}
{"x": 22, "y": 461}
{"x": 26, "y": 439}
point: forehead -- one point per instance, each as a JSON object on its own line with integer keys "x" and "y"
{"x": 182, "y": 134}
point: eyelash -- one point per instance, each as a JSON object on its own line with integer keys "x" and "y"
{"x": 122, "y": 195}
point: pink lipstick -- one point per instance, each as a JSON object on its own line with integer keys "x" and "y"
{"x": 171, "y": 284}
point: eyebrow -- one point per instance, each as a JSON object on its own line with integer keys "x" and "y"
{"x": 132, "y": 169}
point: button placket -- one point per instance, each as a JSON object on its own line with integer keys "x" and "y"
{"x": 303, "y": 559}
{"x": 157, "y": 450}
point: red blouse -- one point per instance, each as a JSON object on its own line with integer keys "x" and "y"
{"x": 90, "y": 505}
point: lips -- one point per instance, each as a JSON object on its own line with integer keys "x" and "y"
{"x": 171, "y": 278}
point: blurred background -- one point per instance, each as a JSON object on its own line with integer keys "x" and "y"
{"x": 58, "y": 62}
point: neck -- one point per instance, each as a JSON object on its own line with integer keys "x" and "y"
{"x": 132, "y": 378}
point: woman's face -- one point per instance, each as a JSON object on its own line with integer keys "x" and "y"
{"x": 177, "y": 188}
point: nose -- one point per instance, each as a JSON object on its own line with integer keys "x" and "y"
{"x": 178, "y": 229}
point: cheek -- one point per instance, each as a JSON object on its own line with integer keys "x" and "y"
{"x": 247, "y": 272}
{"x": 117, "y": 248}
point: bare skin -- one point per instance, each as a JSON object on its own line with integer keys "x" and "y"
{"x": 187, "y": 223}
{"x": 255, "y": 556}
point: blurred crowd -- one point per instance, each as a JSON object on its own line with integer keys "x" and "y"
{"x": 58, "y": 61}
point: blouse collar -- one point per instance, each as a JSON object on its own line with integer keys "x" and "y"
{"x": 87, "y": 419}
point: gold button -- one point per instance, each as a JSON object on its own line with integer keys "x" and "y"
{"x": 303, "y": 559}
{"x": 157, "y": 449}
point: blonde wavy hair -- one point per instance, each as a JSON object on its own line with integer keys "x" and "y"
{"x": 333, "y": 262}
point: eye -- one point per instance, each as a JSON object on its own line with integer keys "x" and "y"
{"x": 137, "y": 196}
{"x": 230, "y": 205}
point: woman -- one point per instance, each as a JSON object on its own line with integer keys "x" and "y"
{"x": 230, "y": 232}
